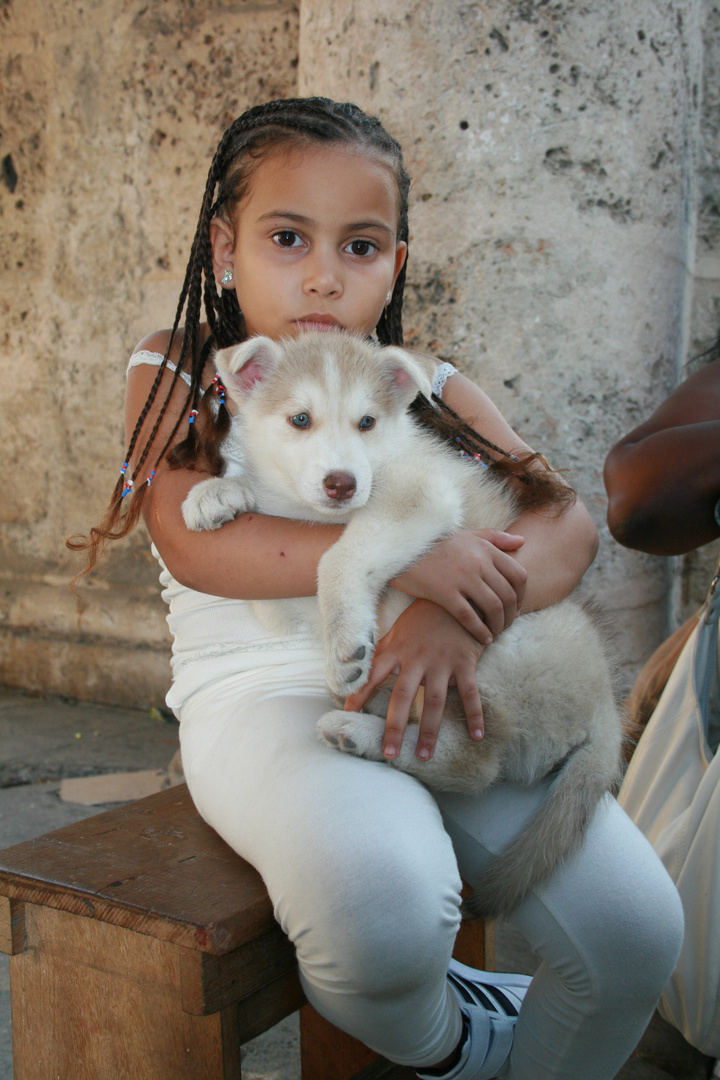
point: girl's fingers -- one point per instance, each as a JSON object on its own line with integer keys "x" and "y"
{"x": 504, "y": 540}
{"x": 383, "y": 665}
{"x": 513, "y": 578}
{"x": 495, "y": 600}
{"x": 471, "y": 620}
{"x": 398, "y": 714}
{"x": 434, "y": 707}
{"x": 432, "y": 715}
{"x": 496, "y": 605}
{"x": 425, "y": 647}
{"x": 472, "y": 704}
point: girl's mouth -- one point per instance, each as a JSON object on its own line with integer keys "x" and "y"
{"x": 318, "y": 322}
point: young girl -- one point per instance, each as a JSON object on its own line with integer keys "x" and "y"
{"x": 304, "y": 224}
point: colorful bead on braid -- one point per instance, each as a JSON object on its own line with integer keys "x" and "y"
{"x": 128, "y": 483}
{"x": 193, "y": 414}
{"x": 472, "y": 457}
{"x": 219, "y": 389}
{"x": 150, "y": 478}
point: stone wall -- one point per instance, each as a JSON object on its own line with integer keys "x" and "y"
{"x": 559, "y": 150}
{"x": 112, "y": 111}
{"x": 564, "y": 251}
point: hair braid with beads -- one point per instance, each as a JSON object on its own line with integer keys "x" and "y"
{"x": 243, "y": 146}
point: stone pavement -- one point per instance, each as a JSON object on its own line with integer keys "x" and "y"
{"x": 43, "y": 740}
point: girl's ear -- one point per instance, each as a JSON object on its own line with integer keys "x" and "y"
{"x": 401, "y": 249}
{"x": 408, "y": 375}
{"x": 222, "y": 242}
{"x": 241, "y": 367}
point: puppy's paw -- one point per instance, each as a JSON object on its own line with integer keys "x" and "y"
{"x": 360, "y": 734}
{"x": 212, "y": 502}
{"x": 347, "y": 666}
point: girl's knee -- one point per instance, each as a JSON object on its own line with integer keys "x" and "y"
{"x": 636, "y": 946}
{"x": 651, "y": 933}
{"x": 632, "y": 905}
{"x": 610, "y": 924}
{"x": 379, "y": 929}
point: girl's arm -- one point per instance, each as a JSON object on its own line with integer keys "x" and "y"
{"x": 558, "y": 547}
{"x": 473, "y": 580}
{"x": 252, "y": 557}
{"x": 256, "y": 557}
{"x": 425, "y": 647}
{"x": 663, "y": 479}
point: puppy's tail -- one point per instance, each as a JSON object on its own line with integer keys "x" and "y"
{"x": 556, "y": 832}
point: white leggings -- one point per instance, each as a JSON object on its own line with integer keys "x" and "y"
{"x": 361, "y": 862}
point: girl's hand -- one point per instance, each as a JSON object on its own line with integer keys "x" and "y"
{"x": 473, "y": 578}
{"x": 425, "y": 647}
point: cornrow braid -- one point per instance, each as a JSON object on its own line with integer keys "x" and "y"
{"x": 243, "y": 146}
{"x": 240, "y": 150}
{"x": 536, "y": 485}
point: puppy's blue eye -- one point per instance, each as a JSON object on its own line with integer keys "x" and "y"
{"x": 366, "y": 423}
{"x": 300, "y": 419}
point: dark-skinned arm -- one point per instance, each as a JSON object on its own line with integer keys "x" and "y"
{"x": 663, "y": 479}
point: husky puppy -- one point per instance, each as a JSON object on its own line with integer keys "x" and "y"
{"x": 321, "y": 432}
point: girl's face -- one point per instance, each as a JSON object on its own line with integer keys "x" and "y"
{"x": 315, "y": 242}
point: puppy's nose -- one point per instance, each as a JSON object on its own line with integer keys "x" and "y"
{"x": 339, "y": 485}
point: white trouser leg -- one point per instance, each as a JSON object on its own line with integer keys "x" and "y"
{"x": 364, "y": 881}
{"x": 361, "y": 871}
{"x": 608, "y": 928}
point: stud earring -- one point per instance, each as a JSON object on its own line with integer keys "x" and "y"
{"x": 227, "y": 277}
{"x": 388, "y": 298}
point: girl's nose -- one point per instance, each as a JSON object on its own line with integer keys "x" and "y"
{"x": 323, "y": 277}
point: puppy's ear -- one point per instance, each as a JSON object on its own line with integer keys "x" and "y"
{"x": 406, "y": 374}
{"x": 241, "y": 367}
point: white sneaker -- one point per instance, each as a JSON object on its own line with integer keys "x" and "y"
{"x": 490, "y": 1002}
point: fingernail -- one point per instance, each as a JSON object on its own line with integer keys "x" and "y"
{"x": 477, "y": 733}
{"x": 488, "y": 641}
{"x": 423, "y": 753}
{"x": 389, "y": 751}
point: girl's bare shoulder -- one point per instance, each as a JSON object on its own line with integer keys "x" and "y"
{"x": 158, "y": 342}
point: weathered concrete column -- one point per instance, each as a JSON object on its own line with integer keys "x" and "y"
{"x": 110, "y": 115}
{"x": 552, "y": 147}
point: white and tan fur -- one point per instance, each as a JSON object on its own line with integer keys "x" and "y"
{"x": 545, "y": 683}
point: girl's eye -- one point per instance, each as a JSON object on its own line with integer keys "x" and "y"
{"x": 301, "y": 420}
{"x": 360, "y": 247}
{"x": 287, "y": 238}
{"x": 366, "y": 423}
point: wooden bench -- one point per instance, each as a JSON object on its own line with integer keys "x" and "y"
{"x": 141, "y": 946}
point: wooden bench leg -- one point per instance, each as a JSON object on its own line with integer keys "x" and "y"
{"x": 94, "y": 1001}
{"x": 330, "y": 1054}
{"x": 327, "y": 1052}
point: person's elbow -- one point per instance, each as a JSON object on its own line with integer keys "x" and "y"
{"x": 631, "y": 524}
{"x": 648, "y": 519}
{"x": 633, "y": 515}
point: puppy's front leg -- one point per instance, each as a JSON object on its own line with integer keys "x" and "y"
{"x": 402, "y": 521}
{"x": 212, "y": 502}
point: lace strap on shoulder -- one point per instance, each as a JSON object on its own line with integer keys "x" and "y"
{"x": 443, "y": 373}
{"x": 143, "y": 357}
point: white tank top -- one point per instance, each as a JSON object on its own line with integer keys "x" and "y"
{"x": 214, "y": 636}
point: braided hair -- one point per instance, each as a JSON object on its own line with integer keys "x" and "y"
{"x": 287, "y": 121}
